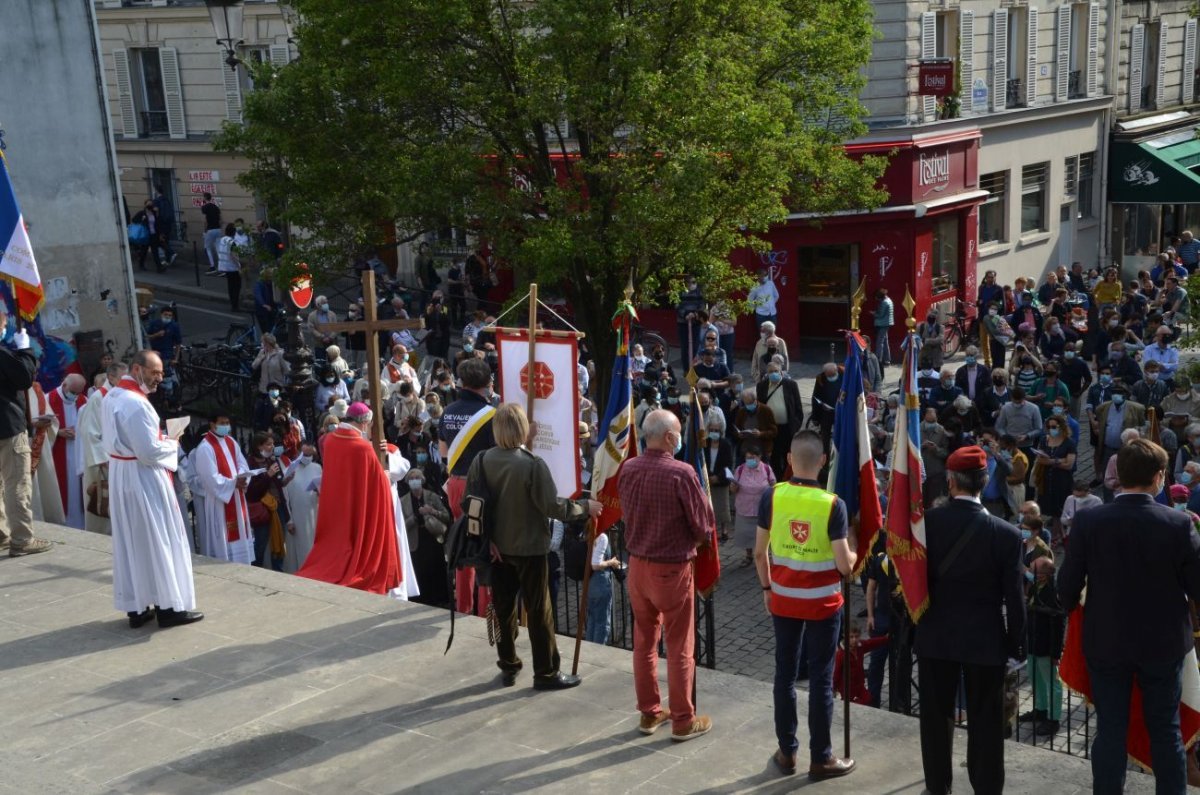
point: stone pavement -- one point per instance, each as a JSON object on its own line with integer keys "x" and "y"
{"x": 294, "y": 686}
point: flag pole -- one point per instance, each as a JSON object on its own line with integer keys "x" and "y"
{"x": 856, "y": 302}
{"x": 583, "y": 595}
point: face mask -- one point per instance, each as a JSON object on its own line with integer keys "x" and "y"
{"x": 422, "y": 458}
{"x": 330, "y": 381}
{"x": 992, "y": 312}
{"x": 1106, "y": 380}
{"x": 468, "y": 348}
{"x": 330, "y": 428}
{"x": 1152, "y": 377}
{"x": 714, "y": 436}
{"x": 1029, "y": 575}
{"x": 771, "y": 350}
{"x": 436, "y": 421}
{"x": 415, "y": 484}
{"x": 962, "y": 412}
{"x": 167, "y": 319}
{"x": 1056, "y": 432}
{"x": 278, "y": 450}
{"x": 671, "y": 401}
{"x": 947, "y": 384}
{"x": 970, "y": 360}
{"x": 404, "y": 358}
{"x": 274, "y": 393}
{"x": 1114, "y": 323}
{"x": 1118, "y": 399}
{"x": 1025, "y": 535}
{"x": 222, "y": 430}
{"x": 999, "y": 384}
{"x": 774, "y": 378}
{"x": 304, "y": 460}
{"x": 750, "y": 407}
{"x": 931, "y": 319}
{"x": 1069, "y": 355}
{"x": 752, "y": 463}
{"x": 1180, "y": 506}
{"x": 678, "y": 445}
{"x": 1116, "y": 354}
{"x": 1058, "y": 411}
{"x": 928, "y": 426}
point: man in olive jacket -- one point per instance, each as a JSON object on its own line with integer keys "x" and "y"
{"x": 523, "y": 501}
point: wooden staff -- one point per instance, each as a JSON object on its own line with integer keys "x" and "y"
{"x": 583, "y": 595}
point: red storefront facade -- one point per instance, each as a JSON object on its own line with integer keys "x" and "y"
{"x": 924, "y": 239}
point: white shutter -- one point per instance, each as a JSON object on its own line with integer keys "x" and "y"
{"x": 1189, "y": 62}
{"x": 999, "y": 58}
{"x": 1093, "y": 52}
{"x": 1136, "y": 46}
{"x": 966, "y": 59}
{"x": 233, "y": 92}
{"x": 929, "y": 21}
{"x": 1031, "y": 62}
{"x": 129, "y": 127}
{"x": 1160, "y": 87}
{"x": 1062, "y": 73}
{"x": 168, "y": 58}
{"x": 281, "y": 55}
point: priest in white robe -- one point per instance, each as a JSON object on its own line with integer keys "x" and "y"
{"x": 302, "y": 505}
{"x": 47, "y": 504}
{"x": 397, "y": 468}
{"x": 152, "y": 565}
{"x": 66, "y": 402}
{"x": 223, "y": 475}
{"x": 94, "y": 461}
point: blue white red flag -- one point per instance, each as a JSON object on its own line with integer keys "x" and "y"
{"x": 906, "y": 506}
{"x": 16, "y": 253}
{"x": 619, "y": 442}
{"x": 851, "y": 468}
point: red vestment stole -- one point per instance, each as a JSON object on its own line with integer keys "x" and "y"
{"x": 59, "y": 450}
{"x": 226, "y": 456}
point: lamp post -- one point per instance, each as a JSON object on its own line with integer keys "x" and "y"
{"x": 226, "y": 17}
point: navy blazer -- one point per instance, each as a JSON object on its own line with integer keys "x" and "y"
{"x": 977, "y": 611}
{"x": 1140, "y": 562}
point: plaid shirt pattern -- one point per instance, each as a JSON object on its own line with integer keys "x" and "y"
{"x": 666, "y": 511}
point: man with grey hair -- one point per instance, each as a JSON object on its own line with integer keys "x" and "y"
{"x": 67, "y": 401}
{"x": 18, "y": 365}
{"x": 766, "y": 332}
{"x": 667, "y": 517}
{"x": 972, "y": 378}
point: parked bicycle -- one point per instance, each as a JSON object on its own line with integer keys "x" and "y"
{"x": 961, "y": 330}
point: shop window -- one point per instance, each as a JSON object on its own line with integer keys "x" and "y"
{"x": 824, "y": 272}
{"x": 944, "y": 271}
{"x": 1033, "y": 197}
{"x": 993, "y": 213}
{"x": 1141, "y": 227}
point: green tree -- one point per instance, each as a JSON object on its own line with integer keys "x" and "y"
{"x": 591, "y": 143}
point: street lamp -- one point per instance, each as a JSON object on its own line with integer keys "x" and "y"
{"x": 226, "y": 17}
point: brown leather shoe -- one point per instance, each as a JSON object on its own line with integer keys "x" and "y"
{"x": 785, "y": 762}
{"x": 649, "y": 723}
{"x": 701, "y": 725}
{"x": 831, "y": 768}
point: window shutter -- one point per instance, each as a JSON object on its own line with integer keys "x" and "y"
{"x": 1160, "y": 87}
{"x": 928, "y": 50}
{"x": 281, "y": 55}
{"x": 1031, "y": 61}
{"x": 966, "y": 59}
{"x": 129, "y": 127}
{"x": 233, "y": 93}
{"x": 1062, "y": 73}
{"x": 1136, "y": 46}
{"x": 1189, "y": 62}
{"x": 1093, "y": 53}
{"x": 999, "y": 58}
{"x": 168, "y": 58}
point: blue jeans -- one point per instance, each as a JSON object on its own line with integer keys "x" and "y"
{"x": 599, "y": 615}
{"x": 822, "y": 638}
{"x": 882, "y": 350}
{"x": 1162, "y": 687}
{"x": 878, "y": 663}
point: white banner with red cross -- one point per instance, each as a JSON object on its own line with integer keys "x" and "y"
{"x": 555, "y": 399}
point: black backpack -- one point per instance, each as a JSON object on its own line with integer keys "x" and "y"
{"x": 468, "y": 542}
{"x": 574, "y": 550}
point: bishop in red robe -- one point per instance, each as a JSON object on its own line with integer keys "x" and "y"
{"x": 66, "y": 402}
{"x": 356, "y": 521}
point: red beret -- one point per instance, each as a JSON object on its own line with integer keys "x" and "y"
{"x": 1179, "y": 492}
{"x": 967, "y": 459}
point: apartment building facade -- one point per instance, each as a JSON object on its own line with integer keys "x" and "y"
{"x": 170, "y": 89}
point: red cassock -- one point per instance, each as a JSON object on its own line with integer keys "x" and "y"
{"x": 59, "y": 449}
{"x": 356, "y": 521}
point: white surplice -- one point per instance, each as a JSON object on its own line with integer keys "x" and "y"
{"x": 302, "y": 505}
{"x": 218, "y": 492}
{"x": 92, "y": 459}
{"x": 397, "y": 467}
{"x": 152, "y": 564}
{"x": 47, "y": 504}
{"x": 74, "y": 464}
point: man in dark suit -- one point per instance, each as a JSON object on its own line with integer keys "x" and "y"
{"x": 975, "y": 623}
{"x": 1140, "y": 562}
{"x": 973, "y": 378}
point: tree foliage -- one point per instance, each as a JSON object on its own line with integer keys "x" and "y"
{"x": 689, "y": 126}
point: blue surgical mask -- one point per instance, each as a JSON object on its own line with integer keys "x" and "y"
{"x": 422, "y": 458}
{"x": 405, "y": 357}
{"x": 1058, "y": 410}
{"x": 1056, "y": 432}
{"x": 222, "y": 430}
{"x": 752, "y": 463}
{"x": 970, "y": 360}
{"x": 278, "y": 450}
{"x": 750, "y": 407}
{"x": 714, "y": 435}
{"x": 273, "y": 393}
{"x": 468, "y": 348}
{"x": 1118, "y": 399}
{"x": 1106, "y": 379}
{"x": 1069, "y": 355}
{"x": 774, "y": 377}
{"x": 678, "y": 444}
{"x": 1180, "y": 506}
{"x": 1185, "y": 477}
{"x": 1029, "y": 575}
{"x": 1025, "y": 534}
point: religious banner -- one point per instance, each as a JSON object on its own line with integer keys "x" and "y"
{"x": 555, "y": 388}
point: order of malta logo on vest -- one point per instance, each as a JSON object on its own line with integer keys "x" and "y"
{"x": 800, "y": 530}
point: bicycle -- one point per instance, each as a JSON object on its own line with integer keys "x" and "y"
{"x": 959, "y": 329}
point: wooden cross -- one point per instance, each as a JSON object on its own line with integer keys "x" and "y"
{"x": 371, "y": 325}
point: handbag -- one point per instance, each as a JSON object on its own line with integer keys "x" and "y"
{"x": 259, "y": 515}
{"x": 97, "y": 504}
{"x": 139, "y": 235}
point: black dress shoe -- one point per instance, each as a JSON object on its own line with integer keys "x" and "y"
{"x": 559, "y": 681}
{"x": 508, "y": 678}
{"x": 137, "y": 620}
{"x": 175, "y": 618}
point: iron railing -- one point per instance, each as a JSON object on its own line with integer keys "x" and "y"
{"x": 1015, "y": 93}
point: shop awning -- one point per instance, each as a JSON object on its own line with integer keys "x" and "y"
{"x": 1161, "y": 170}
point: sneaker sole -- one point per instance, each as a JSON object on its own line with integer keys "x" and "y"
{"x": 652, "y": 729}
{"x": 683, "y": 738}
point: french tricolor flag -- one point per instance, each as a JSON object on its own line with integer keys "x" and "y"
{"x": 16, "y": 257}
{"x": 852, "y": 470}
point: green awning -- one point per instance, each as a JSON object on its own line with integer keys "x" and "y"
{"x": 1163, "y": 170}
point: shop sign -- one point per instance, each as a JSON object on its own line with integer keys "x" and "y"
{"x": 936, "y": 78}
{"x": 933, "y": 172}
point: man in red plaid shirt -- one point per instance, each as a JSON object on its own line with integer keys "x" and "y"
{"x": 667, "y": 516}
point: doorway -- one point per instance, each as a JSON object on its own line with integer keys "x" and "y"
{"x": 164, "y": 179}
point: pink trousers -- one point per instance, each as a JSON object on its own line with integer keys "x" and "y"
{"x": 663, "y": 594}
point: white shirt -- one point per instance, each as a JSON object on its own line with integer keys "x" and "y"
{"x": 226, "y": 259}
{"x": 763, "y": 297}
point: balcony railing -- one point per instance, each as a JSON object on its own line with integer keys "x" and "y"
{"x": 1015, "y": 94}
{"x": 1148, "y": 97}
{"x": 154, "y": 123}
{"x": 1075, "y": 87}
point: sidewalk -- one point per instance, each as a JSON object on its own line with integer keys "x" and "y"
{"x": 289, "y": 686}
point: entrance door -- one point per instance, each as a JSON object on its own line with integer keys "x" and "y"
{"x": 825, "y": 276}
{"x": 1066, "y": 234}
{"x": 164, "y": 178}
